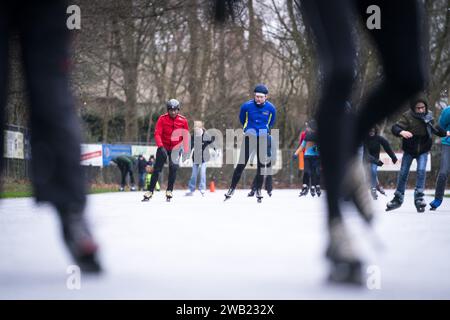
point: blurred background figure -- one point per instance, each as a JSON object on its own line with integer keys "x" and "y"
{"x": 57, "y": 177}
{"x": 125, "y": 164}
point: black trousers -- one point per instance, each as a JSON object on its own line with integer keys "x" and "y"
{"x": 161, "y": 159}
{"x": 400, "y": 44}
{"x": 251, "y": 145}
{"x": 312, "y": 171}
{"x": 126, "y": 169}
{"x": 57, "y": 175}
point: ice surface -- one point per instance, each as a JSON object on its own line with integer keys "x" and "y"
{"x": 203, "y": 248}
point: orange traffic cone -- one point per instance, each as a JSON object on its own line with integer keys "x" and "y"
{"x": 212, "y": 186}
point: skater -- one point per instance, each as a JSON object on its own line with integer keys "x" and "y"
{"x": 200, "y": 143}
{"x": 172, "y": 139}
{"x": 312, "y": 162}
{"x": 444, "y": 123}
{"x": 305, "y": 175}
{"x": 399, "y": 42}
{"x": 415, "y": 127}
{"x": 400, "y": 45}
{"x": 142, "y": 164}
{"x": 268, "y": 185}
{"x": 57, "y": 176}
{"x": 125, "y": 163}
{"x": 258, "y": 117}
{"x": 372, "y": 147}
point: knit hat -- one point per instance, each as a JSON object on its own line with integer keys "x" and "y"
{"x": 260, "y": 88}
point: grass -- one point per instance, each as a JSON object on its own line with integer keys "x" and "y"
{"x": 22, "y": 189}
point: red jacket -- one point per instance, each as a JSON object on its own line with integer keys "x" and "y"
{"x": 164, "y": 130}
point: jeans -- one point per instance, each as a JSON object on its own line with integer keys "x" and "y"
{"x": 404, "y": 172}
{"x": 193, "y": 180}
{"x": 443, "y": 172}
{"x": 373, "y": 175}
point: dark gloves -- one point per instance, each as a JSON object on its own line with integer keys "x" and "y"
{"x": 162, "y": 150}
{"x": 394, "y": 161}
{"x": 294, "y": 156}
{"x": 379, "y": 163}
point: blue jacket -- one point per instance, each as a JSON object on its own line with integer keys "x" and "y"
{"x": 255, "y": 118}
{"x": 444, "y": 123}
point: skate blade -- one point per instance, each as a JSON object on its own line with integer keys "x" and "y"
{"x": 346, "y": 274}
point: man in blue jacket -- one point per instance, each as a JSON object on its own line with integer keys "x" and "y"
{"x": 257, "y": 117}
{"x": 444, "y": 123}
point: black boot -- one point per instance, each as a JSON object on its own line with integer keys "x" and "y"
{"x": 79, "y": 241}
{"x": 251, "y": 193}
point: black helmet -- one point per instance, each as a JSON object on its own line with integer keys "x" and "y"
{"x": 173, "y": 104}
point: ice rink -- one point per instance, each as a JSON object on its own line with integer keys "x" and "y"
{"x": 203, "y": 248}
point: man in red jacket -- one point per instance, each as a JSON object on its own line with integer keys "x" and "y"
{"x": 172, "y": 139}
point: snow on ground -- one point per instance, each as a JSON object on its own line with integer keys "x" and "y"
{"x": 203, "y": 248}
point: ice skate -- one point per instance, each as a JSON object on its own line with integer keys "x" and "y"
{"x": 269, "y": 193}
{"x": 251, "y": 193}
{"x": 345, "y": 265}
{"x": 229, "y": 194}
{"x": 381, "y": 190}
{"x": 122, "y": 188}
{"x": 304, "y": 191}
{"x": 202, "y": 192}
{"x": 318, "y": 191}
{"x": 259, "y": 196}
{"x": 373, "y": 192}
{"x": 313, "y": 191}
{"x": 419, "y": 201}
{"x": 147, "y": 196}
{"x": 189, "y": 194}
{"x": 169, "y": 195}
{"x": 79, "y": 241}
{"x": 133, "y": 188}
{"x": 435, "y": 204}
{"x": 395, "y": 203}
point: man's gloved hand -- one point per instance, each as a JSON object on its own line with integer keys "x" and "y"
{"x": 379, "y": 163}
{"x": 294, "y": 156}
{"x": 394, "y": 161}
{"x": 162, "y": 150}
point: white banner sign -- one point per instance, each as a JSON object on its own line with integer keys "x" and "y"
{"x": 91, "y": 155}
{"x": 13, "y": 145}
{"x": 146, "y": 151}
